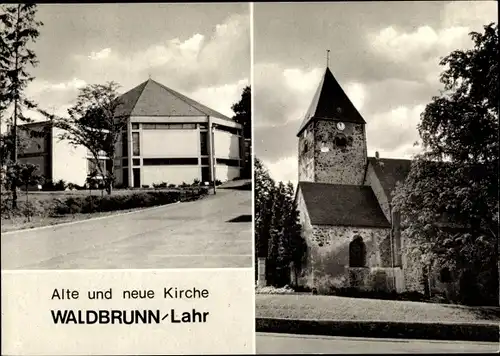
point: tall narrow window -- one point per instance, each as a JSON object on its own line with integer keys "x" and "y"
{"x": 204, "y": 143}
{"x": 124, "y": 144}
{"x": 136, "y": 151}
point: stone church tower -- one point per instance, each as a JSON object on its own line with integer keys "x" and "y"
{"x": 332, "y": 138}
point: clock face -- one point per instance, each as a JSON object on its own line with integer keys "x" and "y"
{"x": 340, "y": 126}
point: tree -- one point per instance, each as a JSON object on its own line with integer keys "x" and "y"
{"x": 449, "y": 201}
{"x": 19, "y": 28}
{"x": 94, "y": 124}
{"x": 277, "y": 230}
{"x": 243, "y": 112}
{"x": 264, "y": 194}
{"x": 243, "y": 116}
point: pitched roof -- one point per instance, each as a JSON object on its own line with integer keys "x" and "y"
{"x": 342, "y": 205}
{"x": 329, "y": 98}
{"x": 390, "y": 171}
{"x": 151, "y": 98}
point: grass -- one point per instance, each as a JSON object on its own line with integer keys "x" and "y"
{"x": 357, "y": 309}
{"x": 20, "y": 223}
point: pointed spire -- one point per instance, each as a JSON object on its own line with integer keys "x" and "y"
{"x": 331, "y": 102}
{"x": 327, "y": 58}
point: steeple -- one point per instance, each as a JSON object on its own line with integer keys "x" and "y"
{"x": 331, "y": 102}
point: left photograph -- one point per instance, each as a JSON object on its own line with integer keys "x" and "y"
{"x": 125, "y": 136}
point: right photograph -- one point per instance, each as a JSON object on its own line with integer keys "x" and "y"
{"x": 376, "y": 150}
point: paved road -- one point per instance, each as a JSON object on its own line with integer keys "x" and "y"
{"x": 184, "y": 235}
{"x": 267, "y": 343}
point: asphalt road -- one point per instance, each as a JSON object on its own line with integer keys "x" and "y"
{"x": 267, "y": 343}
{"x": 194, "y": 234}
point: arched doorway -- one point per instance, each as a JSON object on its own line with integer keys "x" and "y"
{"x": 357, "y": 252}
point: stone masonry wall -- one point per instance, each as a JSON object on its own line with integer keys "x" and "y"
{"x": 339, "y": 165}
{"x": 306, "y": 154}
{"x": 383, "y": 200}
{"x": 305, "y": 275}
{"x": 328, "y": 250}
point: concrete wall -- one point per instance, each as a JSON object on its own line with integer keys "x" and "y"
{"x": 169, "y": 174}
{"x": 224, "y": 173}
{"x": 170, "y": 143}
{"x": 339, "y": 165}
{"x": 306, "y": 154}
{"x": 226, "y": 145}
{"x": 69, "y": 162}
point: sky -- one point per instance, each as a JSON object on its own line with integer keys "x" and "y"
{"x": 384, "y": 54}
{"x": 200, "y": 50}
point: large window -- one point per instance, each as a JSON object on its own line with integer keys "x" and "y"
{"x": 163, "y": 126}
{"x": 228, "y": 162}
{"x": 169, "y": 161}
{"x": 136, "y": 147}
{"x": 92, "y": 165}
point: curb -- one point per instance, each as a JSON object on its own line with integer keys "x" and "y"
{"x": 382, "y": 329}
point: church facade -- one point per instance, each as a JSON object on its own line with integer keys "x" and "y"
{"x": 344, "y": 201}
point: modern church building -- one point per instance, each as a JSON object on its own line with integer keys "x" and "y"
{"x": 170, "y": 138}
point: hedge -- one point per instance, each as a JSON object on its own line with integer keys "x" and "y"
{"x": 381, "y": 329}
{"x": 91, "y": 204}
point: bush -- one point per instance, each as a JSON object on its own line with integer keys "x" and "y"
{"x": 274, "y": 290}
{"x": 218, "y": 182}
{"x": 172, "y": 186}
{"x": 160, "y": 185}
{"x": 196, "y": 182}
{"x": 60, "y": 185}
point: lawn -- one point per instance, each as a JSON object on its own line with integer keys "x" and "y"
{"x": 304, "y": 306}
{"x": 43, "y": 198}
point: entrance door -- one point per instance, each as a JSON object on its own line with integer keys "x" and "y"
{"x": 137, "y": 177}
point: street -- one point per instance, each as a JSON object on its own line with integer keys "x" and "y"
{"x": 194, "y": 234}
{"x": 267, "y": 343}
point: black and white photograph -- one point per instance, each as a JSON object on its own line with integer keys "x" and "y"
{"x": 376, "y": 177}
{"x": 126, "y": 136}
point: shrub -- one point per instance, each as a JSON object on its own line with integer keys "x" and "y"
{"x": 184, "y": 185}
{"x": 172, "y": 186}
{"x": 145, "y": 186}
{"x": 160, "y": 185}
{"x": 196, "y": 182}
{"x": 48, "y": 186}
{"x": 218, "y": 182}
{"x": 274, "y": 290}
{"x": 60, "y": 185}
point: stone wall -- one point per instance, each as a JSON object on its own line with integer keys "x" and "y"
{"x": 328, "y": 250}
{"x": 306, "y": 154}
{"x": 333, "y": 164}
{"x": 412, "y": 267}
{"x": 306, "y": 274}
{"x": 372, "y": 180}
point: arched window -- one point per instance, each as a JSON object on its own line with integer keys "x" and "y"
{"x": 357, "y": 252}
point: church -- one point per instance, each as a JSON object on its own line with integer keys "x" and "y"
{"x": 344, "y": 200}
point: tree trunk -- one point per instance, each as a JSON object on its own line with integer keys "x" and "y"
{"x": 16, "y": 103}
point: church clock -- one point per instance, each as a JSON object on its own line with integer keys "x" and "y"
{"x": 340, "y": 126}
